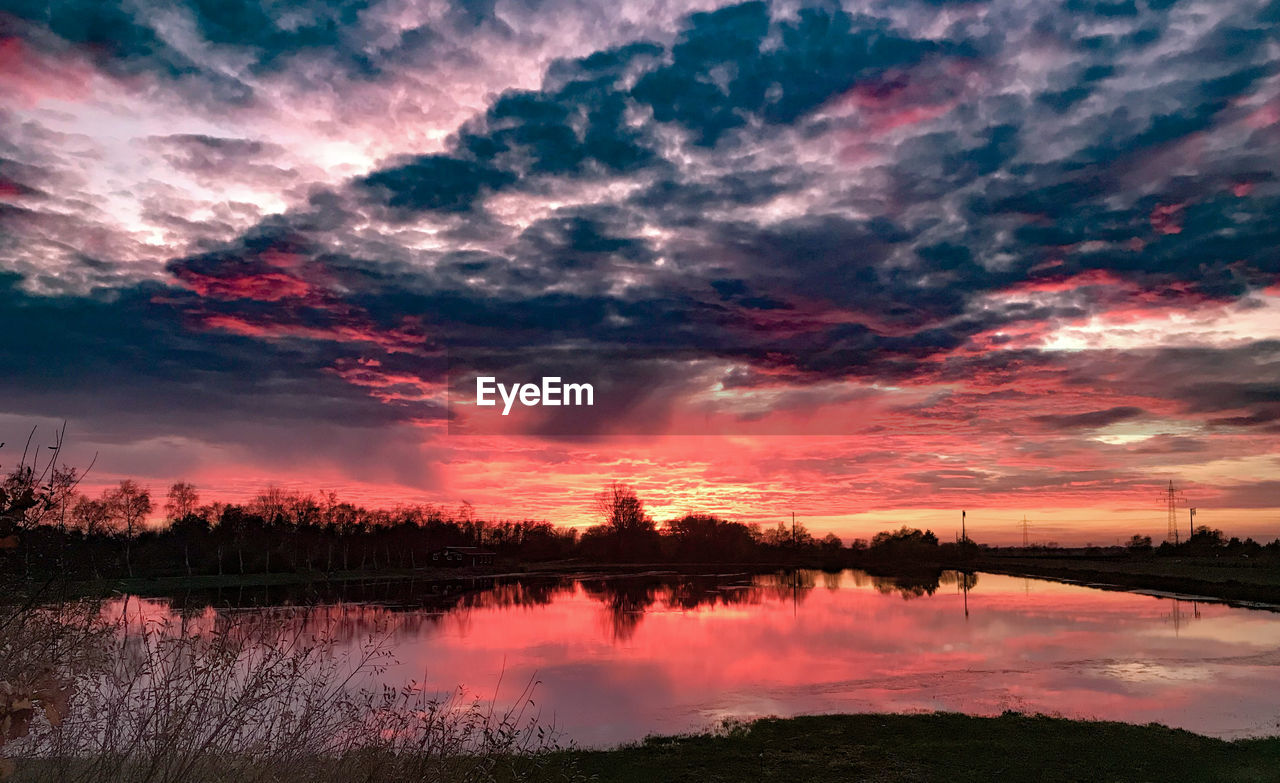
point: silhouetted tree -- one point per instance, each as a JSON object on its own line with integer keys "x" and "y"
{"x": 42, "y": 515}
{"x": 905, "y": 544}
{"x": 185, "y": 524}
{"x": 91, "y": 516}
{"x": 624, "y": 518}
{"x": 1139, "y": 543}
{"x": 1204, "y": 541}
{"x": 181, "y": 501}
{"x": 789, "y": 534}
{"x": 128, "y": 505}
{"x": 707, "y": 538}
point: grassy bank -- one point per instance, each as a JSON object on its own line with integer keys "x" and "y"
{"x": 936, "y": 747}
{"x": 1228, "y": 579}
{"x": 943, "y": 747}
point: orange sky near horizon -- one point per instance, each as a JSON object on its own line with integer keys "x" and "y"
{"x": 867, "y": 263}
{"x": 674, "y": 476}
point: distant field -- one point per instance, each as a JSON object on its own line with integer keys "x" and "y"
{"x": 1229, "y": 579}
{"x": 935, "y": 747}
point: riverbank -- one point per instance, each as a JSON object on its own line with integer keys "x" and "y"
{"x": 172, "y": 585}
{"x": 879, "y": 748}
{"x": 931, "y": 747}
{"x": 1229, "y": 580}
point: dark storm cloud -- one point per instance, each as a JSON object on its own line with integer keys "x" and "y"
{"x": 1176, "y": 376}
{"x": 917, "y": 293}
{"x": 719, "y": 76}
{"x": 128, "y": 39}
{"x": 1090, "y": 420}
{"x": 217, "y": 54}
{"x": 132, "y": 351}
{"x": 576, "y": 242}
{"x": 815, "y": 195}
{"x": 435, "y": 182}
{"x": 722, "y": 76}
{"x": 1224, "y": 395}
{"x": 116, "y": 41}
{"x": 675, "y": 202}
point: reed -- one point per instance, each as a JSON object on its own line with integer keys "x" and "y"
{"x": 229, "y": 698}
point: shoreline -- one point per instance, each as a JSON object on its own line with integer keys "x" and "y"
{"x": 880, "y": 747}
{"x": 1153, "y": 578}
{"x": 1182, "y": 579}
{"x": 931, "y": 746}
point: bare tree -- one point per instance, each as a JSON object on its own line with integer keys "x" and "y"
{"x": 182, "y": 501}
{"x": 128, "y": 505}
{"x": 91, "y": 515}
{"x": 623, "y": 516}
{"x": 35, "y": 493}
{"x": 182, "y": 510}
{"x": 43, "y": 498}
{"x": 272, "y": 504}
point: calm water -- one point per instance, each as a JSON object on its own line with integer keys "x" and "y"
{"x": 618, "y": 658}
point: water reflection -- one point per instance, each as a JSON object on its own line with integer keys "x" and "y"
{"x": 618, "y": 657}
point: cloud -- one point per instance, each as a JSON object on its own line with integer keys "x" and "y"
{"x": 898, "y": 210}
{"x": 435, "y": 182}
{"x": 132, "y": 353}
{"x": 1090, "y": 420}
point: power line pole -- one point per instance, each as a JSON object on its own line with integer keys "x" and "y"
{"x": 1173, "y": 513}
{"x": 1192, "y": 525}
{"x": 964, "y": 536}
{"x": 795, "y": 573}
{"x": 1026, "y": 532}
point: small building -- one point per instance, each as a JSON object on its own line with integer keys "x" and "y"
{"x": 471, "y": 556}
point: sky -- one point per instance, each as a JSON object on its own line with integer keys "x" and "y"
{"x": 870, "y": 262}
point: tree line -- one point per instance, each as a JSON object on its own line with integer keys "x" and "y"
{"x": 48, "y": 525}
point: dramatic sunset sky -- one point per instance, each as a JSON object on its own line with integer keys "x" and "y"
{"x": 871, "y": 262}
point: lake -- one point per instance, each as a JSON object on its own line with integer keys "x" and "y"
{"x": 612, "y": 659}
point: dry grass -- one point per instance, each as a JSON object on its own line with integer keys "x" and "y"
{"x": 157, "y": 702}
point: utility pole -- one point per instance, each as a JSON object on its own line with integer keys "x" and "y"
{"x": 1026, "y": 532}
{"x": 1173, "y": 513}
{"x": 795, "y": 573}
{"x": 964, "y": 536}
{"x": 1193, "y": 523}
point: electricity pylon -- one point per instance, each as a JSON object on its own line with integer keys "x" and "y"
{"x": 1172, "y": 496}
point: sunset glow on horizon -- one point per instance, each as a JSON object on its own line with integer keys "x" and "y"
{"x": 868, "y": 262}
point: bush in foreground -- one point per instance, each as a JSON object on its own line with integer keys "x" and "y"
{"x": 163, "y": 701}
